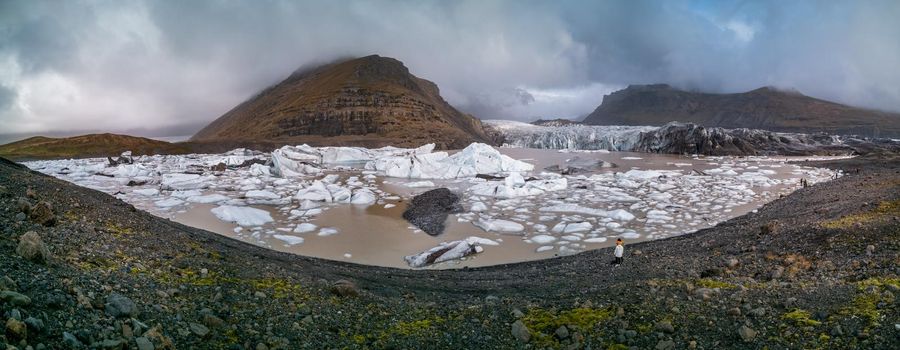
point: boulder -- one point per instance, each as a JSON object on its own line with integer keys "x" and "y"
{"x": 42, "y": 214}
{"x": 344, "y": 288}
{"x": 520, "y": 331}
{"x": 118, "y": 305}
{"x": 32, "y": 248}
{"x": 428, "y": 211}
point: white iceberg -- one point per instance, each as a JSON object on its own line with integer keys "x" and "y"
{"x": 499, "y": 225}
{"x": 244, "y": 216}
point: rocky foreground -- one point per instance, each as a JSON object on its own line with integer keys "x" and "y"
{"x": 817, "y": 269}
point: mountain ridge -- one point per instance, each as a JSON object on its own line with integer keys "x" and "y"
{"x": 767, "y": 108}
{"x": 367, "y": 101}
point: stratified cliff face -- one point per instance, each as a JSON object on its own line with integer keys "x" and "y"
{"x": 371, "y": 101}
{"x": 764, "y": 108}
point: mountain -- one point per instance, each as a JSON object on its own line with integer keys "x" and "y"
{"x": 764, "y": 108}
{"x": 93, "y": 145}
{"x": 369, "y": 101}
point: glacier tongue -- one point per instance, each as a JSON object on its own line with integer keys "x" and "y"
{"x": 676, "y": 138}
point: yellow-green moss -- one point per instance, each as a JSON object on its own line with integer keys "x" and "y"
{"x": 711, "y": 283}
{"x": 617, "y": 347}
{"x": 118, "y": 230}
{"x": 279, "y": 288}
{"x": 543, "y": 323}
{"x": 800, "y": 318}
{"x": 884, "y": 209}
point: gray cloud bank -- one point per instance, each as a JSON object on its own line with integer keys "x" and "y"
{"x": 119, "y": 65}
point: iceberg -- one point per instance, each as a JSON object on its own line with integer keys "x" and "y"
{"x": 499, "y": 225}
{"x": 477, "y": 158}
{"x": 243, "y": 216}
{"x": 446, "y": 251}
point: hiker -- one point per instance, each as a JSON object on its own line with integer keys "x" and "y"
{"x": 620, "y": 250}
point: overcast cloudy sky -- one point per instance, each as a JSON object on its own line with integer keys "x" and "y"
{"x": 119, "y": 65}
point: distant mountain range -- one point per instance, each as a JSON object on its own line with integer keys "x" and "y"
{"x": 369, "y": 101}
{"x": 765, "y": 108}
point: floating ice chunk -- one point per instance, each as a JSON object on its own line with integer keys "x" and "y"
{"x": 314, "y": 192}
{"x": 260, "y": 170}
{"x": 618, "y": 214}
{"x": 542, "y": 239}
{"x": 647, "y": 174}
{"x": 477, "y": 158}
{"x": 478, "y": 207}
{"x": 543, "y": 248}
{"x": 348, "y": 255}
{"x": 149, "y": 192}
{"x": 305, "y": 227}
{"x": 514, "y": 180}
{"x": 630, "y": 235}
{"x": 419, "y": 184}
{"x": 288, "y": 239}
{"x": 209, "y": 198}
{"x": 595, "y": 240}
{"x": 169, "y": 202}
{"x": 446, "y": 251}
{"x": 530, "y": 188}
{"x": 362, "y": 196}
{"x": 179, "y": 181}
{"x": 290, "y": 161}
{"x": 499, "y": 225}
{"x": 244, "y": 216}
{"x": 389, "y": 206}
{"x": 578, "y": 227}
{"x": 327, "y": 231}
{"x": 571, "y": 238}
{"x": 261, "y": 194}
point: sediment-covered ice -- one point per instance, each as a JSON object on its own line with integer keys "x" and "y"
{"x": 447, "y": 251}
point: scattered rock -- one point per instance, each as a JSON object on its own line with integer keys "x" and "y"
{"x": 199, "y": 329}
{"x": 428, "y": 211}
{"x": 20, "y": 216}
{"x": 562, "y": 332}
{"x": 520, "y": 331}
{"x": 42, "y": 214}
{"x": 30, "y": 193}
{"x": 23, "y": 205}
{"x": 747, "y": 334}
{"x": 870, "y": 250}
{"x": 32, "y": 248}
{"x": 769, "y": 228}
{"x": 491, "y": 299}
{"x": 16, "y": 329}
{"x": 35, "y": 324}
{"x": 14, "y": 298}
{"x": 731, "y": 263}
{"x": 665, "y": 327}
{"x": 758, "y": 312}
{"x": 344, "y": 288}
{"x": 734, "y": 311}
{"x": 665, "y": 345}
{"x": 118, "y": 305}
{"x": 143, "y": 343}
{"x": 7, "y": 283}
{"x": 71, "y": 341}
{"x": 259, "y": 295}
{"x": 218, "y": 167}
{"x": 518, "y": 313}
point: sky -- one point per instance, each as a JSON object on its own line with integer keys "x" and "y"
{"x": 170, "y": 65}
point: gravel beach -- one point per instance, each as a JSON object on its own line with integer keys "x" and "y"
{"x": 816, "y": 269}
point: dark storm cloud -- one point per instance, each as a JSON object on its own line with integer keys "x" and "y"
{"x": 121, "y": 65}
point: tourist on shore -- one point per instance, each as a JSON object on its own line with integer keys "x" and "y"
{"x": 620, "y": 250}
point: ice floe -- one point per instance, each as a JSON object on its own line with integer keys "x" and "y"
{"x": 244, "y": 216}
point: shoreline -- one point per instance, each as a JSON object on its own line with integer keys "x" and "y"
{"x": 678, "y": 290}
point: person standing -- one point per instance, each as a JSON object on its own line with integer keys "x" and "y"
{"x": 620, "y": 251}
